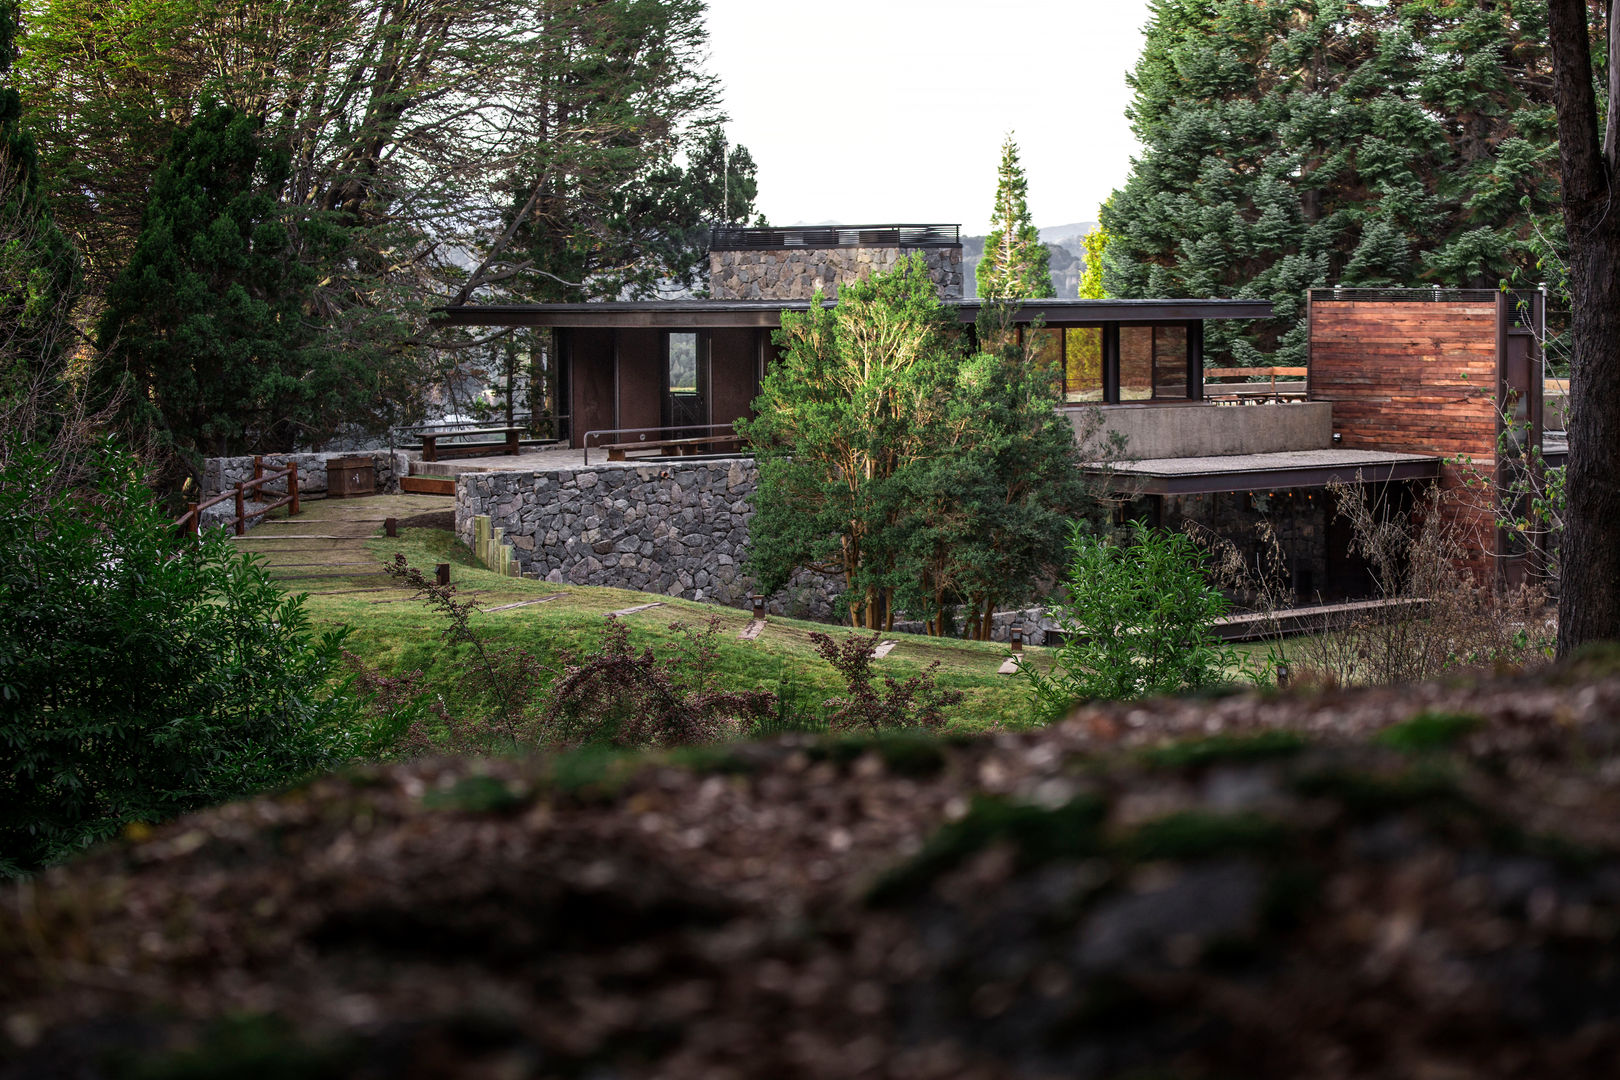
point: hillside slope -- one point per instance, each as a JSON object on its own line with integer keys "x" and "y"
{"x": 1422, "y": 882}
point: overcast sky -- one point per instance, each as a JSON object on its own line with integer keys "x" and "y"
{"x": 894, "y": 110}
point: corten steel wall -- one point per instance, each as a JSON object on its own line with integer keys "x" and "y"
{"x": 1418, "y": 375}
{"x": 590, "y": 358}
{"x": 641, "y": 378}
{"x": 733, "y": 373}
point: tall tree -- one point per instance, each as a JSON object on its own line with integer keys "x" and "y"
{"x": 1015, "y": 262}
{"x": 422, "y": 128}
{"x": 1289, "y": 144}
{"x": 39, "y": 270}
{"x": 1589, "y": 594}
{"x": 210, "y": 322}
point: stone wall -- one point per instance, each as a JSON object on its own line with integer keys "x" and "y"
{"x": 670, "y": 528}
{"x": 796, "y": 273}
{"x": 222, "y": 474}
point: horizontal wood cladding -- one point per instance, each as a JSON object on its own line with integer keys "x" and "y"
{"x": 1419, "y": 377}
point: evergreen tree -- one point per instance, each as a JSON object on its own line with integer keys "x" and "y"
{"x": 208, "y": 323}
{"x": 1290, "y": 144}
{"x": 39, "y": 269}
{"x": 1092, "y": 284}
{"x": 1015, "y": 261}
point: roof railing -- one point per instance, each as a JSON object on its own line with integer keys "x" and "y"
{"x": 738, "y": 238}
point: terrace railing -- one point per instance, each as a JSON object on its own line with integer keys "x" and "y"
{"x": 738, "y": 238}
{"x": 190, "y": 522}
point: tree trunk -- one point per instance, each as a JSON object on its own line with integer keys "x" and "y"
{"x": 1589, "y": 593}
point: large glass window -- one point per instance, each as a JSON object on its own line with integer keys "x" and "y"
{"x": 1170, "y": 361}
{"x": 682, "y": 363}
{"x": 1135, "y": 363}
{"x": 1046, "y": 349}
{"x": 1083, "y": 363}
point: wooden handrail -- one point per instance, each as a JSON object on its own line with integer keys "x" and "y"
{"x": 190, "y": 522}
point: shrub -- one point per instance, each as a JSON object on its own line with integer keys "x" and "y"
{"x": 1137, "y": 620}
{"x": 916, "y": 702}
{"x": 140, "y": 678}
{"x": 636, "y": 699}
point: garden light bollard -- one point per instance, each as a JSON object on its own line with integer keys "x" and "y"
{"x": 1282, "y": 675}
{"x": 758, "y": 600}
{"x": 390, "y": 526}
{"x": 441, "y": 574}
{"x": 1015, "y": 637}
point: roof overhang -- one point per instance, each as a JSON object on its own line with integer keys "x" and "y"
{"x": 1264, "y": 472}
{"x": 699, "y": 314}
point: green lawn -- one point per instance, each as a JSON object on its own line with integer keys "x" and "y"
{"x": 397, "y": 635}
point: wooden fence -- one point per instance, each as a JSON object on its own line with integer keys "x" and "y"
{"x": 190, "y": 523}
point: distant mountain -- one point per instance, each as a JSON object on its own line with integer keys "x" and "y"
{"x": 1070, "y": 235}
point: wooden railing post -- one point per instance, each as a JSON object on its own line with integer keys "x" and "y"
{"x": 292, "y": 487}
{"x": 196, "y": 519}
{"x": 241, "y": 511}
{"x": 258, "y": 467}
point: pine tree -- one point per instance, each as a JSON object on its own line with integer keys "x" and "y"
{"x": 39, "y": 269}
{"x": 209, "y": 323}
{"x": 1015, "y": 261}
{"x": 1291, "y": 144}
{"x": 1092, "y": 285}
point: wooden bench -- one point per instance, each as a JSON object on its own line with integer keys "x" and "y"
{"x": 1234, "y": 391}
{"x": 681, "y": 447}
{"x": 431, "y": 451}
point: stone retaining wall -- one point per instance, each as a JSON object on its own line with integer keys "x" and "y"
{"x": 796, "y": 273}
{"x": 224, "y": 473}
{"x": 679, "y": 529}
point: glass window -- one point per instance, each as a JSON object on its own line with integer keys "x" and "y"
{"x": 683, "y": 363}
{"x": 1135, "y": 363}
{"x": 1046, "y": 350}
{"x": 1170, "y": 361}
{"x": 1082, "y": 364}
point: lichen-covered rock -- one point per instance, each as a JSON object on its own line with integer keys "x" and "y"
{"x": 1422, "y": 882}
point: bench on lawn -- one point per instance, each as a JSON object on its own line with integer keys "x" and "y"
{"x": 431, "y": 451}
{"x": 680, "y": 447}
{"x": 1236, "y": 391}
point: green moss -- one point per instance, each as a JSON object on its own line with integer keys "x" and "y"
{"x": 1196, "y": 835}
{"x": 242, "y": 1048}
{"x": 1366, "y": 794}
{"x": 1220, "y": 749}
{"x": 903, "y": 753}
{"x": 1592, "y": 661}
{"x": 1038, "y": 834}
{"x": 1430, "y": 731}
{"x": 476, "y": 795}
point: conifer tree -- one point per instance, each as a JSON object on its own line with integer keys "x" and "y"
{"x": 39, "y": 270}
{"x": 1092, "y": 283}
{"x": 1291, "y": 144}
{"x": 1015, "y": 261}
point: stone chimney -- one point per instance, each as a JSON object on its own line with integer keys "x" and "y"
{"x": 791, "y": 264}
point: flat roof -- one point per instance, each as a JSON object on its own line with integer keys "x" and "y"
{"x": 692, "y": 314}
{"x": 1259, "y": 472}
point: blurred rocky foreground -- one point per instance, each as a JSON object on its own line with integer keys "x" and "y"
{"x": 1421, "y": 882}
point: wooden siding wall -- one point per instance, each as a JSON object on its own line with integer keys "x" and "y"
{"x": 641, "y": 378}
{"x": 1415, "y": 376}
{"x": 590, "y": 356}
{"x": 733, "y": 373}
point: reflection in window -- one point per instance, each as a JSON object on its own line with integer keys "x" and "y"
{"x": 1082, "y": 364}
{"x": 1046, "y": 349}
{"x": 682, "y": 364}
{"x": 1170, "y": 361}
{"x": 1135, "y": 363}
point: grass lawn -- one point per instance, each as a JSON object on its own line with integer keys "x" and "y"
{"x": 398, "y": 635}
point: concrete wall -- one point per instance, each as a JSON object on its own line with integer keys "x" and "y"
{"x": 796, "y": 273}
{"x": 670, "y": 528}
{"x": 1168, "y": 431}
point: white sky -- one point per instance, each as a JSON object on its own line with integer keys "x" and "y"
{"x": 894, "y": 110}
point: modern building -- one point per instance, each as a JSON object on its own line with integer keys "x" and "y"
{"x": 1404, "y": 386}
